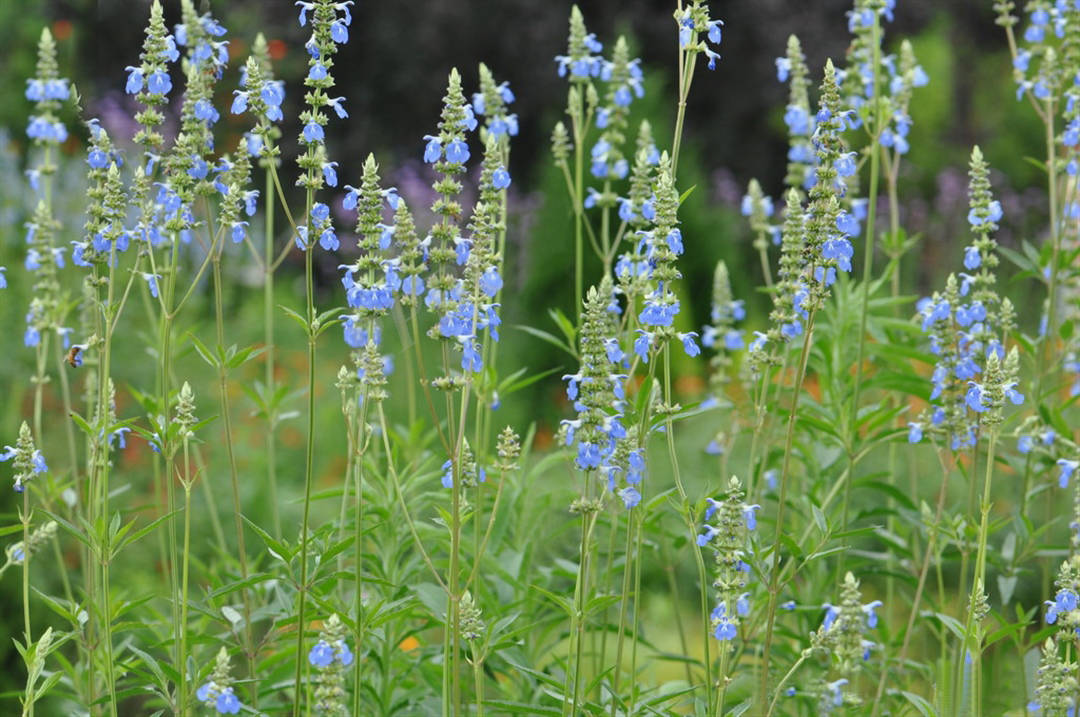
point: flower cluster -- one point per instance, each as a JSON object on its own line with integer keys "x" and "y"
{"x": 720, "y": 334}
{"x": 26, "y": 458}
{"x": 967, "y": 324}
{"x": 801, "y": 158}
{"x": 694, "y": 21}
{"x": 217, "y": 692}
{"x": 465, "y": 305}
{"x": 372, "y": 280}
{"x": 150, "y": 81}
{"x": 597, "y": 393}
{"x": 261, "y": 96}
{"x": 1037, "y": 68}
{"x": 330, "y": 656}
{"x": 17, "y": 552}
{"x": 660, "y": 247}
{"x": 1055, "y": 685}
{"x": 623, "y": 78}
{"x": 492, "y": 103}
{"x": 842, "y": 637}
{"x": 469, "y": 623}
{"x": 48, "y": 91}
{"x": 729, "y": 539}
{"x": 582, "y": 59}
{"x": 828, "y": 227}
{"x": 330, "y": 23}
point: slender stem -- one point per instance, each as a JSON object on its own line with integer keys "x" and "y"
{"x": 774, "y": 588}
{"x": 783, "y": 681}
{"x": 358, "y": 547}
{"x": 579, "y": 183}
{"x": 1046, "y": 367}
{"x": 308, "y": 473}
{"x": 868, "y": 267}
{"x": 577, "y": 619}
{"x": 26, "y": 567}
{"x": 182, "y": 689}
{"x": 234, "y": 476}
{"x": 478, "y": 679}
{"x": 923, "y": 571}
{"x": 971, "y": 630}
{"x": 624, "y": 601}
{"x": 268, "y": 341}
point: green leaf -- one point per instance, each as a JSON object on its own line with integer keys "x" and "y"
{"x": 521, "y": 708}
{"x": 549, "y": 338}
{"x": 434, "y": 599}
{"x": 201, "y": 348}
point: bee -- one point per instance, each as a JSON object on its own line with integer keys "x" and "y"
{"x": 74, "y": 355}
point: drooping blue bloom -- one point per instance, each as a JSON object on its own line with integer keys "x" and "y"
{"x": 871, "y": 614}
{"x": 433, "y": 149}
{"x": 1068, "y": 467}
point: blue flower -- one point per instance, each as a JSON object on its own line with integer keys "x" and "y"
{"x": 715, "y": 33}
{"x": 134, "y": 81}
{"x": 338, "y": 32}
{"x": 313, "y": 132}
{"x": 321, "y": 655}
{"x": 750, "y": 516}
{"x": 1067, "y": 469}
{"x": 713, "y": 57}
{"x": 974, "y": 397}
{"x": 831, "y": 613}
{"x": 339, "y": 109}
{"x": 689, "y": 345}
{"x": 330, "y": 173}
{"x": 457, "y": 152}
{"x": 226, "y": 703}
{"x": 725, "y": 629}
{"x": 972, "y": 258}
{"x": 783, "y": 69}
{"x": 151, "y": 282}
{"x": 432, "y": 150}
{"x": 317, "y": 72}
{"x": 845, "y": 164}
{"x": 915, "y": 432}
{"x": 871, "y": 614}
{"x": 158, "y": 83}
{"x": 500, "y": 178}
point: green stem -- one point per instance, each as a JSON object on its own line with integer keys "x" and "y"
{"x": 687, "y": 513}
{"x": 358, "y": 547}
{"x": 774, "y": 575}
{"x": 308, "y": 474}
{"x": 183, "y": 688}
{"x": 478, "y": 680}
{"x": 268, "y": 340}
{"x": 915, "y": 602}
{"x": 572, "y": 688}
{"x": 868, "y": 267}
{"x": 234, "y": 476}
{"x": 783, "y": 681}
{"x": 624, "y": 601}
{"x": 971, "y": 630}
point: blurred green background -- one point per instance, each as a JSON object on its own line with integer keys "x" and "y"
{"x": 393, "y": 73}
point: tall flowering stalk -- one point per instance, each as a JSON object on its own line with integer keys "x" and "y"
{"x": 729, "y": 539}
{"x": 825, "y": 248}
{"x": 329, "y": 28}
